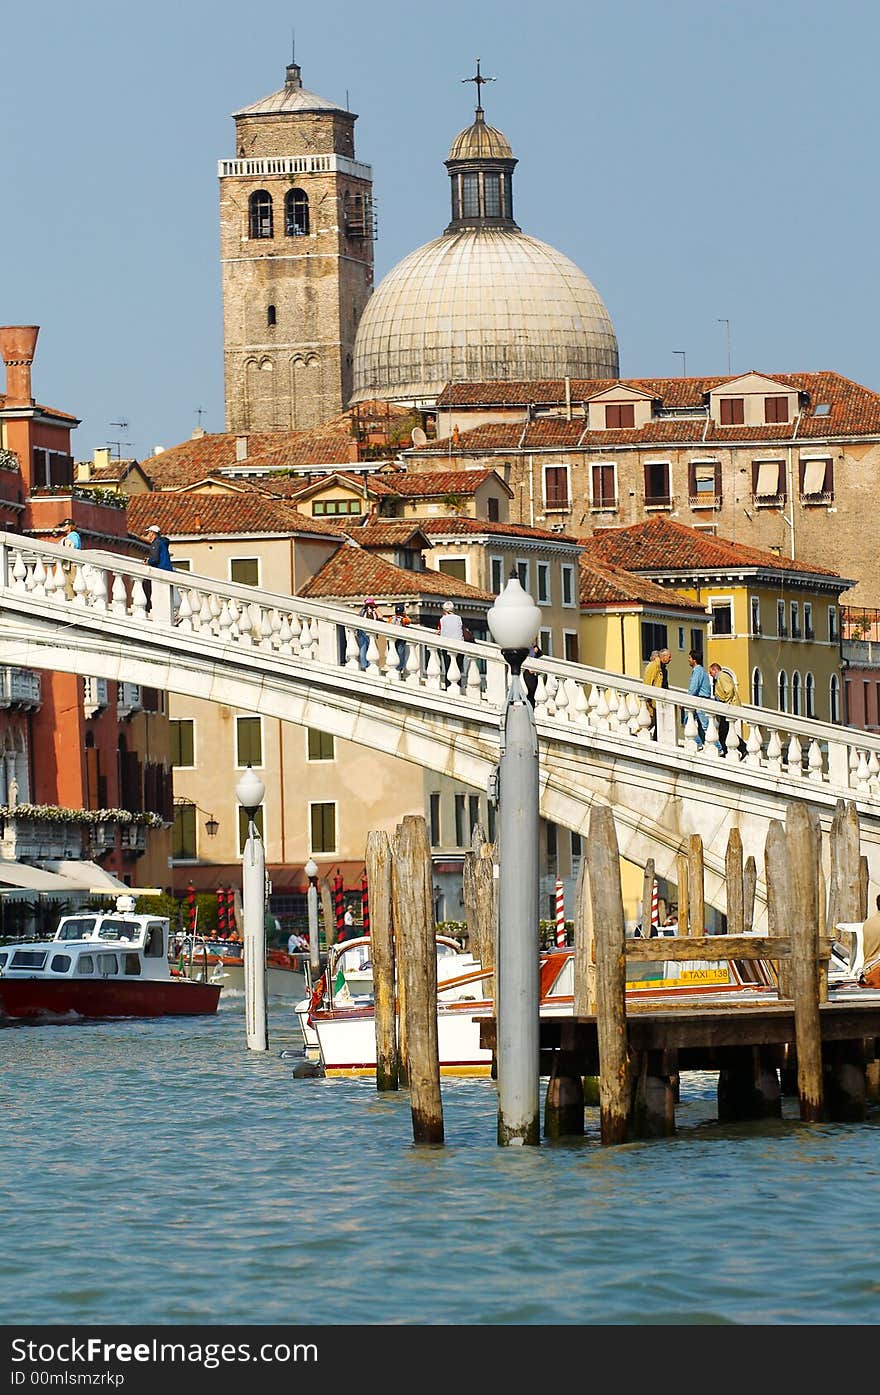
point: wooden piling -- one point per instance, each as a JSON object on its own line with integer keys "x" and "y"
{"x": 697, "y": 917}
{"x": 748, "y": 1085}
{"x": 412, "y": 894}
{"x": 468, "y": 897}
{"x": 803, "y": 922}
{"x": 399, "y": 976}
{"x": 564, "y": 1101}
{"x": 378, "y": 861}
{"x": 776, "y": 878}
{"x": 833, "y": 912}
{"x": 681, "y": 863}
{"x": 601, "y": 853}
{"x": 654, "y": 1100}
{"x": 584, "y": 947}
{"x": 734, "y": 879}
{"x": 485, "y": 913}
{"x": 750, "y": 882}
{"x": 863, "y": 888}
{"x": 327, "y": 913}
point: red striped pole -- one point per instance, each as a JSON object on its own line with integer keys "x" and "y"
{"x": 560, "y": 913}
{"x": 221, "y": 913}
{"x": 338, "y": 902}
{"x": 655, "y": 909}
{"x": 365, "y": 903}
{"x": 230, "y": 910}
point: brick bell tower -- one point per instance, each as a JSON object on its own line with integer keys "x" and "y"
{"x": 296, "y": 251}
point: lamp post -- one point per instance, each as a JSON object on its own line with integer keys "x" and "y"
{"x": 250, "y": 790}
{"x": 513, "y": 621}
{"x": 311, "y": 871}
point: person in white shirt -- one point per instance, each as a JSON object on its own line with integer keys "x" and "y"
{"x": 452, "y": 628}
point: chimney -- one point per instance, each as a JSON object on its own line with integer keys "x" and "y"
{"x": 101, "y": 457}
{"x": 17, "y": 346}
{"x": 241, "y": 447}
{"x": 198, "y": 433}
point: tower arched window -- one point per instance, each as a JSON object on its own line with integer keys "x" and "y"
{"x": 782, "y": 687}
{"x": 796, "y": 693}
{"x": 470, "y": 196}
{"x": 296, "y": 213}
{"x": 271, "y": 316}
{"x": 809, "y": 696}
{"x": 260, "y": 214}
{"x": 757, "y": 688}
{"x": 492, "y": 195}
{"x": 834, "y": 696}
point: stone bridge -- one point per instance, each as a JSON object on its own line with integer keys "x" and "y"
{"x": 297, "y": 660}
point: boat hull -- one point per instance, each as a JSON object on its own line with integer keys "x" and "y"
{"x": 44, "y": 999}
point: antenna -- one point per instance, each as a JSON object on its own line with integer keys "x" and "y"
{"x": 200, "y": 412}
{"x": 123, "y": 426}
{"x": 683, "y": 361}
{"x": 418, "y": 436}
{"x": 293, "y": 45}
{"x": 727, "y": 323}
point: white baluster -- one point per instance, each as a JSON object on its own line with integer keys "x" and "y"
{"x": 391, "y": 666}
{"x": 581, "y": 705}
{"x": 795, "y": 757}
{"x": 552, "y": 683}
{"x": 206, "y": 616}
{"x": 774, "y": 753}
{"x": 308, "y": 639}
{"x": 602, "y": 713}
{"x": 644, "y": 721}
{"x": 562, "y": 700}
{"x": 118, "y": 596}
{"x": 434, "y": 671}
{"x": 51, "y": 581}
{"x": 814, "y": 761}
{"x": 98, "y": 588}
{"x": 873, "y": 773}
{"x": 862, "y": 774}
{"x": 19, "y": 574}
{"x": 414, "y": 664}
{"x": 226, "y": 622}
{"x": 453, "y": 672}
{"x": 474, "y": 681}
{"x": 731, "y": 742}
{"x": 276, "y": 629}
{"x": 266, "y": 631}
{"x": 138, "y": 600}
{"x": 38, "y": 579}
{"x": 853, "y": 766}
{"x": 285, "y": 635}
{"x": 632, "y": 714}
{"x": 184, "y": 610}
{"x": 595, "y": 697}
{"x": 352, "y": 659}
{"x": 691, "y": 732}
{"x": 541, "y": 696}
{"x": 711, "y": 739}
{"x": 754, "y": 747}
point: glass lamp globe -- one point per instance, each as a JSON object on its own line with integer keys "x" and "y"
{"x": 514, "y": 619}
{"x": 311, "y": 869}
{"x": 250, "y": 790}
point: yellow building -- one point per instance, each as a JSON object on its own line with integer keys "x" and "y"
{"x": 773, "y": 621}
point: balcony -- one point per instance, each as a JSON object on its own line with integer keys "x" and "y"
{"x": 704, "y": 501}
{"x": 95, "y": 696}
{"x": 133, "y": 838}
{"x": 769, "y": 501}
{"x": 29, "y": 838}
{"x": 657, "y": 502}
{"x": 20, "y": 687}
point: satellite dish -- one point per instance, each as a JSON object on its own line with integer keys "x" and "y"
{"x": 418, "y": 436}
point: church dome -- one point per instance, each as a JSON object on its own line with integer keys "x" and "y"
{"x": 480, "y": 304}
{"x": 480, "y": 141}
{"x": 484, "y": 302}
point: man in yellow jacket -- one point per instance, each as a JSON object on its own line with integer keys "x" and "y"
{"x": 657, "y": 677}
{"x": 724, "y": 689}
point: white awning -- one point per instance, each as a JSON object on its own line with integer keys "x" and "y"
{"x": 21, "y": 874}
{"x": 82, "y": 875}
{"x": 814, "y": 476}
{"x": 768, "y": 477}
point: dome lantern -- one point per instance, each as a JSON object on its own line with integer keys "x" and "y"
{"x": 480, "y": 166}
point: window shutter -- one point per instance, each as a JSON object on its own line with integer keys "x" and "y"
{"x": 718, "y": 480}
{"x": 92, "y": 778}
{"x": 813, "y": 478}
{"x": 692, "y": 479}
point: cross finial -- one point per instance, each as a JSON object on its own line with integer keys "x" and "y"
{"x": 480, "y": 81}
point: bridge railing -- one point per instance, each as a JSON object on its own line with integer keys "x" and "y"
{"x": 573, "y": 699}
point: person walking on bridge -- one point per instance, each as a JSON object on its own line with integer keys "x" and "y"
{"x": 699, "y": 686}
{"x": 657, "y": 676}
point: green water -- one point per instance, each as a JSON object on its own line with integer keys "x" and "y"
{"x": 161, "y": 1173}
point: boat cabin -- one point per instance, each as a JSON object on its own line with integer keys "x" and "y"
{"x": 95, "y": 944}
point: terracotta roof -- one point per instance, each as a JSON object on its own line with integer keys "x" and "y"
{"x": 180, "y": 515}
{"x": 660, "y": 545}
{"x": 854, "y": 410}
{"x": 435, "y": 526}
{"x": 604, "y": 584}
{"x": 38, "y": 407}
{"x": 437, "y": 483}
{"x": 352, "y": 573}
{"x": 380, "y": 532}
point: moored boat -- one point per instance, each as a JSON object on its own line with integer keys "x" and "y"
{"x": 222, "y": 962}
{"x": 100, "y": 964}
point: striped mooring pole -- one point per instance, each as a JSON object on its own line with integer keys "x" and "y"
{"x": 338, "y": 902}
{"x": 655, "y": 908}
{"x": 560, "y": 913}
{"x": 221, "y": 912}
{"x": 365, "y": 904}
{"x": 191, "y": 907}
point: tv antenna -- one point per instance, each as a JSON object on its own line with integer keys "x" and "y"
{"x": 123, "y": 426}
{"x": 200, "y": 412}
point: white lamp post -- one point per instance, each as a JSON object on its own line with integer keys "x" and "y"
{"x": 311, "y": 871}
{"x": 514, "y": 620}
{"x": 250, "y": 791}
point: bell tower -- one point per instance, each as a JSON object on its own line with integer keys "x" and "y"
{"x": 296, "y": 251}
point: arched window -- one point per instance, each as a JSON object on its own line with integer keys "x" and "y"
{"x": 757, "y": 688}
{"x": 796, "y": 694}
{"x": 782, "y": 685}
{"x": 260, "y": 214}
{"x": 470, "y": 196}
{"x": 834, "y": 696}
{"x": 809, "y": 696}
{"x": 492, "y": 195}
{"x": 296, "y": 213}
{"x": 271, "y": 317}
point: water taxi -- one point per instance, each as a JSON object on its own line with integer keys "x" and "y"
{"x": 100, "y": 964}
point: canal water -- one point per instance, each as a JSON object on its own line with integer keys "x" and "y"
{"x": 160, "y": 1173}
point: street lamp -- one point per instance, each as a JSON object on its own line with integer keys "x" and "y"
{"x": 211, "y": 826}
{"x": 514, "y": 620}
{"x": 311, "y": 871}
{"x": 250, "y": 791}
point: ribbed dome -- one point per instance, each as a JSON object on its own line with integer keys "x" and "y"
{"x": 480, "y": 304}
{"x": 480, "y": 142}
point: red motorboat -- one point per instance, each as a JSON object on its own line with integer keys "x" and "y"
{"x": 100, "y": 964}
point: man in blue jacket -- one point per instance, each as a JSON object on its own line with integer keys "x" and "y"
{"x": 699, "y": 686}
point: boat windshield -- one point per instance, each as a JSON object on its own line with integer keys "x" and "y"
{"x": 119, "y": 930}
{"x": 76, "y": 927}
{"x": 28, "y": 959}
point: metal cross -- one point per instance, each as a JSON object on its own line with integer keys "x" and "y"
{"x": 480, "y": 81}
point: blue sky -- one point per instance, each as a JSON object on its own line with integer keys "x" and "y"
{"x": 700, "y": 161}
